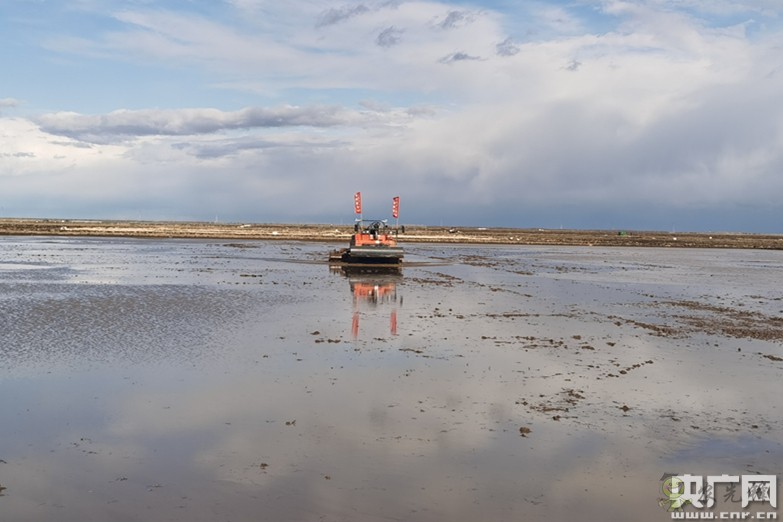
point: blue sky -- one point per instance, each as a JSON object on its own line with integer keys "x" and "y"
{"x": 614, "y": 114}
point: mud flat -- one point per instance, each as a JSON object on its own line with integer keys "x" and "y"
{"x": 219, "y": 379}
{"x": 413, "y": 234}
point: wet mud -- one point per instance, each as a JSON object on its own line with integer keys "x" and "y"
{"x": 212, "y": 380}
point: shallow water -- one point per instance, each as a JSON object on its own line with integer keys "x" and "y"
{"x": 214, "y": 380}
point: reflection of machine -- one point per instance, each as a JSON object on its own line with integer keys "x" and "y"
{"x": 373, "y": 241}
{"x": 372, "y": 287}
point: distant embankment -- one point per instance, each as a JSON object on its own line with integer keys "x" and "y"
{"x": 413, "y": 234}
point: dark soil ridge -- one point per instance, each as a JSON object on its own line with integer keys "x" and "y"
{"x": 413, "y": 234}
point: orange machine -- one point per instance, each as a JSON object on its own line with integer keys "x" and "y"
{"x": 373, "y": 242}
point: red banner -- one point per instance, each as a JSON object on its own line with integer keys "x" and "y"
{"x": 357, "y": 202}
{"x": 396, "y": 207}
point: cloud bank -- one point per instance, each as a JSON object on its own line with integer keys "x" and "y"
{"x": 606, "y": 114}
{"x": 124, "y": 124}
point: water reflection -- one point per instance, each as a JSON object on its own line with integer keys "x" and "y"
{"x": 372, "y": 288}
{"x": 228, "y": 386}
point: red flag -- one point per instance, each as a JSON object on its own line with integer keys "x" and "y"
{"x": 396, "y": 207}
{"x": 357, "y": 202}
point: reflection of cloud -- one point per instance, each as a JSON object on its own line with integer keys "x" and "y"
{"x": 399, "y": 434}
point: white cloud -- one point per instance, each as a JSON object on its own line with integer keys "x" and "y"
{"x": 668, "y": 108}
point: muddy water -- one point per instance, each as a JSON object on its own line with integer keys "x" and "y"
{"x": 212, "y": 380}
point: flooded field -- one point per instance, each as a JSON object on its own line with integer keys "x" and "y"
{"x": 208, "y": 380}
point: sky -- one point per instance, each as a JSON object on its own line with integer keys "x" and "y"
{"x": 585, "y": 114}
